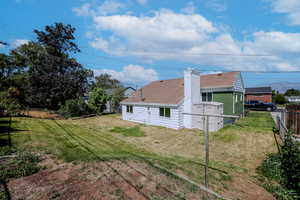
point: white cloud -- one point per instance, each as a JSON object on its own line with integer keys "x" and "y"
{"x": 106, "y": 8}
{"x": 216, "y": 5}
{"x": 19, "y": 42}
{"x": 84, "y": 10}
{"x": 190, "y": 8}
{"x": 131, "y": 74}
{"x": 191, "y": 38}
{"x": 289, "y": 7}
{"x": 142, "y": 2}
{"x": 109, "y": 7}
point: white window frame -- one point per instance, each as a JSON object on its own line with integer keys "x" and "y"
{"x": 164, "y": 112}
{"x": 129, "y": 109}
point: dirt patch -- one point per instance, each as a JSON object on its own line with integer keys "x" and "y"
{"x": 119, "y": 180}
{"x": 241, "y": 187}
{"x": 101, "y": 180}
{"x": 105, "y": 121}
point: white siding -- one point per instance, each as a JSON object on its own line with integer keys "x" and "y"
{"x": 150, "y": 115}
{"x": 239, "y": 85}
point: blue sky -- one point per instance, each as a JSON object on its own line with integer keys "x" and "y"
{"x": 138, "y": 41}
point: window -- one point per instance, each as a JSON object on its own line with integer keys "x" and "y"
{"x": 207, "y": 96}
{"x": 165, "y": 112}
{"x": 129, "y": 109}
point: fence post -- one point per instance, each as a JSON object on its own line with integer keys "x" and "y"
{"x": 206, "y": 149}
{"x": 8, "y": 133}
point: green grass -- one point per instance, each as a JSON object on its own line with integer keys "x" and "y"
{"x": 74, "y": 143}
{"x": 84, "y": 142}
{"x": 258, "y": 122}
{"x": 129, "y": 132}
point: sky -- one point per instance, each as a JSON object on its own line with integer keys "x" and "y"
{"x": 139, "y": 41}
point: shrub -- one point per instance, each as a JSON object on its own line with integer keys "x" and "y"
{"x": 271, "y": 175}
{"x": 290, "y": 164}
{"x": 280, "y": 99}
{"x": 75, "y": 108}
{"x": 98, "y": 100}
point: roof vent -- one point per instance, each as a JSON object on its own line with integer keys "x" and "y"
{"x": 219, "y": 74}
{"x": 161, "y": 81}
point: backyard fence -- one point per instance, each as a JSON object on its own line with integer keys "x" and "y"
{"x": 292, "y": 118}
{"x": 206, "y": 124}
{"x": 282, "y": 129}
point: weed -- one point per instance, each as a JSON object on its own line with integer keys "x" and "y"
{"x": 55, "y": 195}
{"x": 24, "y": 164}
{"x": 270, "y": 176}
{"x": 132, "y": 131}
{"x": 227, "y": 137}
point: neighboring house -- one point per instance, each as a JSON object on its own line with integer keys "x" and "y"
{"x": 126, "y": 92}
{"x": 164, "y": 102}
{"x": 263, "y": 94}
{"x": 293, "y": 99}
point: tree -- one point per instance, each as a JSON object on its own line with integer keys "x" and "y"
{"x": 105, "y": 81}
{"x": 113, "y": 88}
{"x": 292, "y": 92}
{"x": 53, "y": 76}
{"x": 75, "y": 108}
{"x": 290, "y": 163}
{"x": 280, "y": 99}
{"x": 11, "y": 76}
{"x": 9, "y": 101}
{"x": 98, "y": 99}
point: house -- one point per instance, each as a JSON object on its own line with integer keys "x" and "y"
{"x": 125, "y": 92}
{"x": 293, "y": 99}
{"x": 164, "y": 102}
{"x": 263, "y": 94}
{"x": 128, "y": 92}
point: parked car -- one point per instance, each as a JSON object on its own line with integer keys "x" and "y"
{"x": 259, "y": 105}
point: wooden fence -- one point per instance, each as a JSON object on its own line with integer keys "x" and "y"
{"x": 292, "y": 118}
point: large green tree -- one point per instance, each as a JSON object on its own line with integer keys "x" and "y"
{"x": 292, "y": 92}
{"x": 106, "y": 81}
{"x": 53, "y": 75}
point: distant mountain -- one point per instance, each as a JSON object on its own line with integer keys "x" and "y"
{"x": 283, "y": 86}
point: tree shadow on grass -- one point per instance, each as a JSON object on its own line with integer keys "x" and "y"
{"x": 6, "y": 122}
{"x": 5, "y": 129}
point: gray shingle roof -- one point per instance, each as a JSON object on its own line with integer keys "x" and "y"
{"x": 259, "y": 90}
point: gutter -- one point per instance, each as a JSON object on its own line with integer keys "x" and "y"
{"x": 150, "y": 104}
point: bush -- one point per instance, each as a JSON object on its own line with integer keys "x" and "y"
{"x": 98, "y": 99}
{"x": 271, "y": 176}
{"x": 280, "y": 99}
{"x": 75, "y": 108}
{"x": 290, "y": 164}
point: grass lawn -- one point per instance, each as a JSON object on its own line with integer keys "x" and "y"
{"x": 236, "y": 150}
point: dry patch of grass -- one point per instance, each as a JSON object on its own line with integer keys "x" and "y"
{"x": 243, "y": 144}
{"x": 235, "y": 149}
